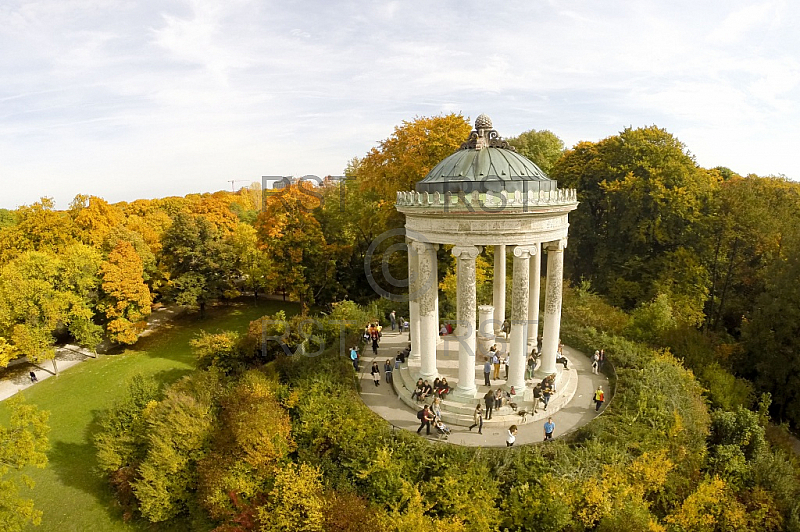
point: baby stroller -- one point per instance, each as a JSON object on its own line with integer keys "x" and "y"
{"x": 442, "y": 430}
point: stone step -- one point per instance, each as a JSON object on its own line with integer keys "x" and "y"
{"x": 458, "y": 409}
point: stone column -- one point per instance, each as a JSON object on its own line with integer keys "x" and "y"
{"x": 552, "y": 304}
{"x": 499, "y": 286}
{"x": 533, "y": 306}
{"x": 466, "y": 302}
{"x": 520, "y": 292}
{"x": 428, "y": 291}
{"x": 413, "y": 298}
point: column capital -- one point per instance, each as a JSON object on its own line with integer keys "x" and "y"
{"x": 422, "y": 247}
{"x": 556, "y": 245}
{"x": 525, "y": 251}
{"x": 466, "y": 252}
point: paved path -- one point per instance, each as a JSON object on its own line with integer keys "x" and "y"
{"x": 16, "y": 376}
{"x": 385, "y": 402}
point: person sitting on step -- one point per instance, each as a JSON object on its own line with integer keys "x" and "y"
{"x": 443, "y": 388}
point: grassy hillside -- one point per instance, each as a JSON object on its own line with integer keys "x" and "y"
{"x": 72, "y": 497}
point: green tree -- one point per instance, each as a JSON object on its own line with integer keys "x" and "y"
{"x": 23, "y": 443}
{"x": 198, "y": 260}
{"x": 253, "y": 263}
{"x": 542, "y": 147}
{"x": 772, "y": 335}
{"x": 642, "y": 226}
{"x": 177, "y": 436}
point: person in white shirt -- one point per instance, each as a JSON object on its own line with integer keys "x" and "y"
{"x": 512, "y": 436}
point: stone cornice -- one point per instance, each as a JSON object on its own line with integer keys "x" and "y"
{"x": 490, "y": 202}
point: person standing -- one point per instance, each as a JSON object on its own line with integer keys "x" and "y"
{"x": 436, "y": 408}
{"x": 496, "y": 362}
{"x": 487, "y": 371}
{"x": 425, "y": 417}
{"x": 547, "y": 391}
{"x": 393, "y": 319}
{"x": 537, "y": 395}
{"x": 599, "y": 397}
{"x": 387, "y": 370}
{"x": 511, "y": 437}
{"x": 477, "y": 416}
{"x": 376, "y": 374}
{"x": 488, "y": 399}
{"x": 595, "y": 361}
{"x": 354, "y": 357}
{"x": 549, "y": 427}
{"x": 505, "y": 363}
{"x": 531, "y": 365}
{"x": 375, "y": 334}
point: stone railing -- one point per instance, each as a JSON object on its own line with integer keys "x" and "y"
{"x": 491, "y": 200}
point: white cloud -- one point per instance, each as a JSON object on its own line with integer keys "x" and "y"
{"x": 128, "y": 99}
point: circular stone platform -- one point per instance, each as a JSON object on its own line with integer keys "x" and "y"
{"x": 570, "y": 407}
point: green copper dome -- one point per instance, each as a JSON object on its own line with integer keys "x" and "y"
{"x": 486, "y": 163}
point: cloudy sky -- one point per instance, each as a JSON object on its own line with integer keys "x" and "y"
{"x": 129, "y": 99}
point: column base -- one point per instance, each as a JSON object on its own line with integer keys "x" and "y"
{"x": 464, "y": 393}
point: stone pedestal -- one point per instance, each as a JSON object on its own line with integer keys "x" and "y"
{"x": 486, "y": 335}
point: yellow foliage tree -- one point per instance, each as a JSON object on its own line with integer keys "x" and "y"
{"x": 711, "y": 508}
{"x": 96, "y": 219}
{"x": 127, "y": 302}
{"x": 295, "y": 502}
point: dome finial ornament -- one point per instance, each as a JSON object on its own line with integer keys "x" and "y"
{"x": 483, "y": 122}
{"x": 484, "y": 136}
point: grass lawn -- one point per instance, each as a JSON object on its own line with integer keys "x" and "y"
{"x": 68, "y": 491}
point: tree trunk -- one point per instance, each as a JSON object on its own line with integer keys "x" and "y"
{"x": 727, "y": 281}
{"x": 55, "y": 366}
{"x": 202, "y": 309}
{"x": 710, "y": 314}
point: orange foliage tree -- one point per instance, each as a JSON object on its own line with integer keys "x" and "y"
{"x": 127, "y": 298}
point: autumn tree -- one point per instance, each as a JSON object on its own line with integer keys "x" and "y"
{"x": 127, "y": 300}
{"x": 216, "y": 208}
{"x": 251, "y": 442}
{"x": 40, "y": 292}
{"x": 253, "y": 263}
{"x": 39, "y": 227}
{"x": 351, "y": 220}
{"x": 290, "y": 235}
{"x": 23, "y": 443}
{"x": 410, "y": 153}
{"x": 94, "y": 218}
{"x": 542, "y": 147}
{"x": 30, "y": 306}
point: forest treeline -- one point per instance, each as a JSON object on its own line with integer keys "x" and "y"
{"x": 686, "y": 275}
